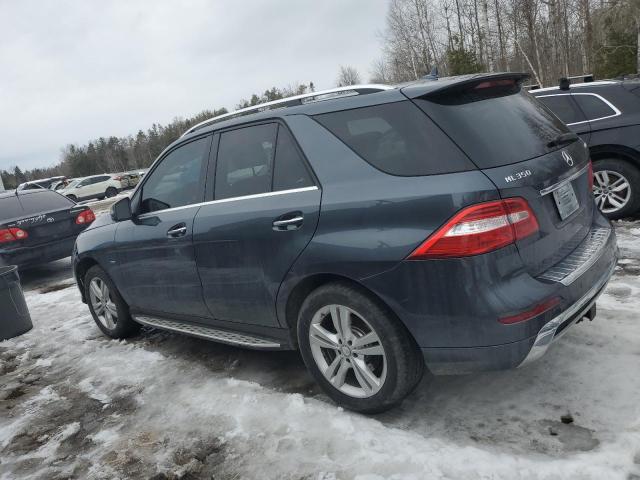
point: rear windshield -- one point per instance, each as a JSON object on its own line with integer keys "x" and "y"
{"x": 9, "y": 208}
{"x": 396, "y": 138}
{"x": 495, "y": 128}
{"x": 32, "y": 203}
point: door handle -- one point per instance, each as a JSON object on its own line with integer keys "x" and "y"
{"x": 177, "y": 231}
{"x": 288, "y": 223}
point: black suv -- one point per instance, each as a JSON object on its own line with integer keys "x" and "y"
{"x": 606, "y": 115}
{"x": 377, "y": 229}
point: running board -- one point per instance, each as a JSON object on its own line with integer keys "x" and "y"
{"x": 209, "y": 333}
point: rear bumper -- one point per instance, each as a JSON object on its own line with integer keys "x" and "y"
{"x": 38, "y": 254}
{"x": 452, "y": 307}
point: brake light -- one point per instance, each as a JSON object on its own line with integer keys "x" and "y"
{"x": 85, "y": 217}
{"x": 508, "y": 82}
{"x": 480, "y": 228}
{"x": 590, "y": 175}
{"x": 12, "y": 235}
{"x": 538, "y": 309}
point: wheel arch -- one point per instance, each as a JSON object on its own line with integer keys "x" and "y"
{"x": 312, "y": 282}
{"x": 80, "y": 270}
{"x": 620, "y": 152}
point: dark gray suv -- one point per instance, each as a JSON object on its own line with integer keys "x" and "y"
{"x": 377, "y": 229}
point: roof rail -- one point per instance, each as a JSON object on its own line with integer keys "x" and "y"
{"x": 310, "y": 97}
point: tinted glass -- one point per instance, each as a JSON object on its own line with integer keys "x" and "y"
{"x": 290, "y": 170}
{"x": 44, "y": 201}
{"x": 496, "y": 128}
{"x": 564, "y": 107}
{"x": 396, "y": 138}
{"x": 176, "y": 181}
{"x": 32, "y": 203}
{"x": 245, "y": 161}
{"x": 593, "y": 107}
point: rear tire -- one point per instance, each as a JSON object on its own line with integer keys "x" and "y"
{"x": 616, "y": 187}
{"x": 72, "y": 197}
{"x": 365, "y": 361}
{"x": 107, "y": 307}
{"x": 110, "y": 192}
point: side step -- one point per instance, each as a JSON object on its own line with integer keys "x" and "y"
{"x": 209, "y": 333}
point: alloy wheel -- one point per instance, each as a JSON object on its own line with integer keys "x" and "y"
{"x": 348, "y": 351}
{"x": 612, "y": 190}
{"x": 102, "y": 303}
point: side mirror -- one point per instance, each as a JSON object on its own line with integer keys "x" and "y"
{"x": 121, "y": 210}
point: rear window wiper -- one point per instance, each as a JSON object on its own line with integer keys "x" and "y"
{"x": 563, "y": 139}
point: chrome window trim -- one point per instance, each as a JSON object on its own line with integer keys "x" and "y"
{"x": 616, "y": 111}
{"x": 231, "y": 199}
{"x": 570, "y": 178}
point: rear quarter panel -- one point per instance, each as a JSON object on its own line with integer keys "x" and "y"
{"x": 369, "y": 220}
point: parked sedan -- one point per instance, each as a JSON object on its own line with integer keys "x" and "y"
{"x": 96, "y": 186}
{"x": 39, "y": 226}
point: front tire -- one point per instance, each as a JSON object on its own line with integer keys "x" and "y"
{"x": 616, "y": 187}
{"x": 356, "y": 349}
{"x": 107, "y": 307}
{"x": 110, "y": 192}
{"x": 72, "y": 198}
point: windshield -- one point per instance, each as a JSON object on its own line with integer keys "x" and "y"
{"x": 74, "y": 183}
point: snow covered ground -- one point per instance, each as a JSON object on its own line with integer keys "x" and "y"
{"x": 74, "y": 404}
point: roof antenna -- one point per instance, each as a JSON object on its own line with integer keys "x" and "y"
{"x": 433, "y": 75}
{"x": 564, "y": 83}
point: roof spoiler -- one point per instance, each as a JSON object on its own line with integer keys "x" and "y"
{"x": 456, "y": 84}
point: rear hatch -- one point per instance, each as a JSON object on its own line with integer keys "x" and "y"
{"x": 525, "y": 151}
{"x": 46, "y": 216}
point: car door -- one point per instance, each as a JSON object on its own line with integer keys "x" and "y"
{"x": 264, "y": 211}
{"x": 564, "y": 106}
{"x": 82, "y": 190}
{"x": 154, "y": 250}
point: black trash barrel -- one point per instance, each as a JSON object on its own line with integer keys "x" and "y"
{"x": 14, "y": 314}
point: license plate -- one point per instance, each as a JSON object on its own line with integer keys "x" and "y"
{"x": 566, "y": 200}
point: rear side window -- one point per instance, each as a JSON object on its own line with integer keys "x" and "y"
{"x": 44, "y": 201}
{"x": 244, "y": 164}
{"x": 593, "y": 107}
{"x": 290, "y": 170}
{"x": 564, "y": 107}
{"x": 497, "y": 128}
{"x": 396, "y": 138}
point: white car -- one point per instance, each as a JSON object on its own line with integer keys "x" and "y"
{"x": 95, "y": 186}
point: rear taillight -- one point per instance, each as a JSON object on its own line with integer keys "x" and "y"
{"x": 532, "y": 312}
{"x": 590, "y": 175}
{"x": 480, "y": 228}
{"x": 85, "y": 217}
{"x": 12, "y": 235}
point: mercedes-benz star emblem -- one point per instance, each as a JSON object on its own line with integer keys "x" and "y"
{"x": 567, "y": 158}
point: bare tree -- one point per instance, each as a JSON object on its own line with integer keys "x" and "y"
{"x": 348, "y": 76}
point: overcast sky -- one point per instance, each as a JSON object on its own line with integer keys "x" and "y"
{"x": 77, "y": 70}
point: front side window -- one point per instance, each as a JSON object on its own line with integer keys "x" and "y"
{"x": 593, "y": 107}
{"x": 244, "y": 163}
{"x": 176, "y": 181}
{"x": 564, "y": 107}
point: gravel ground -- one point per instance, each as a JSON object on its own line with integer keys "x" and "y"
{"x": 74, "y": 404}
